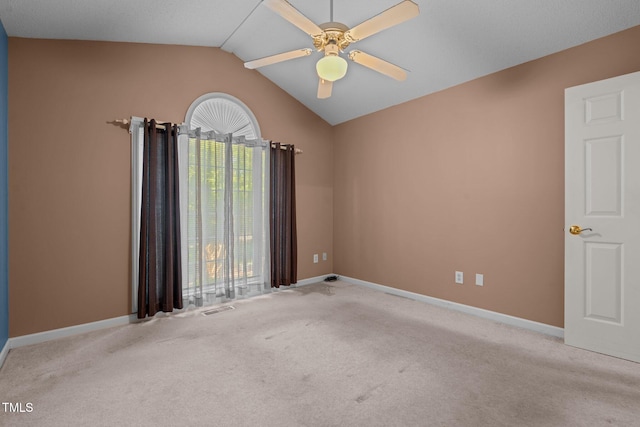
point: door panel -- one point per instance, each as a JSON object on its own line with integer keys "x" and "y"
{"x": 602, "y": 196}
{"x": 603, "y": 173}
{"x": 603, "y": 287}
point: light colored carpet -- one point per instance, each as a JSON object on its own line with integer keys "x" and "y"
{"x": 319, "y": 355}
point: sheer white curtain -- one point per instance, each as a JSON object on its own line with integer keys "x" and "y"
{"x": 224, "y": 209}
{"x": 136, "y": 129}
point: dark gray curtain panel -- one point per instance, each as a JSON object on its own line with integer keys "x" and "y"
{"x": 160, "y": 273}
{"x": 282, "y": 196}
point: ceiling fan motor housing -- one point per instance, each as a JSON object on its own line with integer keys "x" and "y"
{"x": 332, "y": 33}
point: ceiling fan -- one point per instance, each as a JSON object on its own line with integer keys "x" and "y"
{"x": 332, "y": 38}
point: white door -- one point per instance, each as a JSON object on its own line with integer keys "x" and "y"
{"x": 602, "y": 198}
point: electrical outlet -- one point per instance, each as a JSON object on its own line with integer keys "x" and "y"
{"x": 459, "y": 277}
{"x": 315, "y": 258}
{"x": 480, "y": 279}
{"x": 324, "y": 256}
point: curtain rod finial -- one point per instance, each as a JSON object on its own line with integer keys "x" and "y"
{"x": 123, "y": 123}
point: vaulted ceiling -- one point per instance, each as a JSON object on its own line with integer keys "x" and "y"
{"x": 450, "y": 42}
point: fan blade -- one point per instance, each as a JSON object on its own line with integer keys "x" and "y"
{"x": 393, "y": 16}
{"x": 291, "y": 14}
{"x": 273, "y": 59}
{"x": 378, "y": 65}
{"x": 324, "y": 88}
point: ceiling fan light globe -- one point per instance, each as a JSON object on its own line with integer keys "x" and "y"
{"x": 331, "y": 68}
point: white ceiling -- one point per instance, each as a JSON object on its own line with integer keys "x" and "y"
{"x": 450, "y": 42}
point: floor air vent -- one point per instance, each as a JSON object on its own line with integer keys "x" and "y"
{"x": 218, "y": 310}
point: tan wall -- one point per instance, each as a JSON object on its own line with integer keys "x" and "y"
{"x": 469, "y": 179}
{"x": 69, "y": 173}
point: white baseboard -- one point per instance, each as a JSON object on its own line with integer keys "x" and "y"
{"x": 4, "y": 352}
{"x": 311, "y": 280}
{"x": 53, "y": 334}
{"x": 486, "y": 314}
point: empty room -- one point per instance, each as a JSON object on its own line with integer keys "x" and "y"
{"x": 320, "y": 213}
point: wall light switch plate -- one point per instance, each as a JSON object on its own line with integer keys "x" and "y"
{"x": 480, "y": 279}
{"x": 324, "y": 256}
{"x": 315, "y": 258}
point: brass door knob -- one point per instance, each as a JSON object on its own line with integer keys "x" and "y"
{"x": 575, "y": 229}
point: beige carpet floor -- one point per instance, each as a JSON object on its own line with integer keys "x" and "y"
{"x": 320, "y": 355}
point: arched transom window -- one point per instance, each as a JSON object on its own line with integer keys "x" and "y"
{"x": 224, "y": 114}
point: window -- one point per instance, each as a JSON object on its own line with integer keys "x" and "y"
{"x": 225, "y": 200}
{"x": 223, "y": 114}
